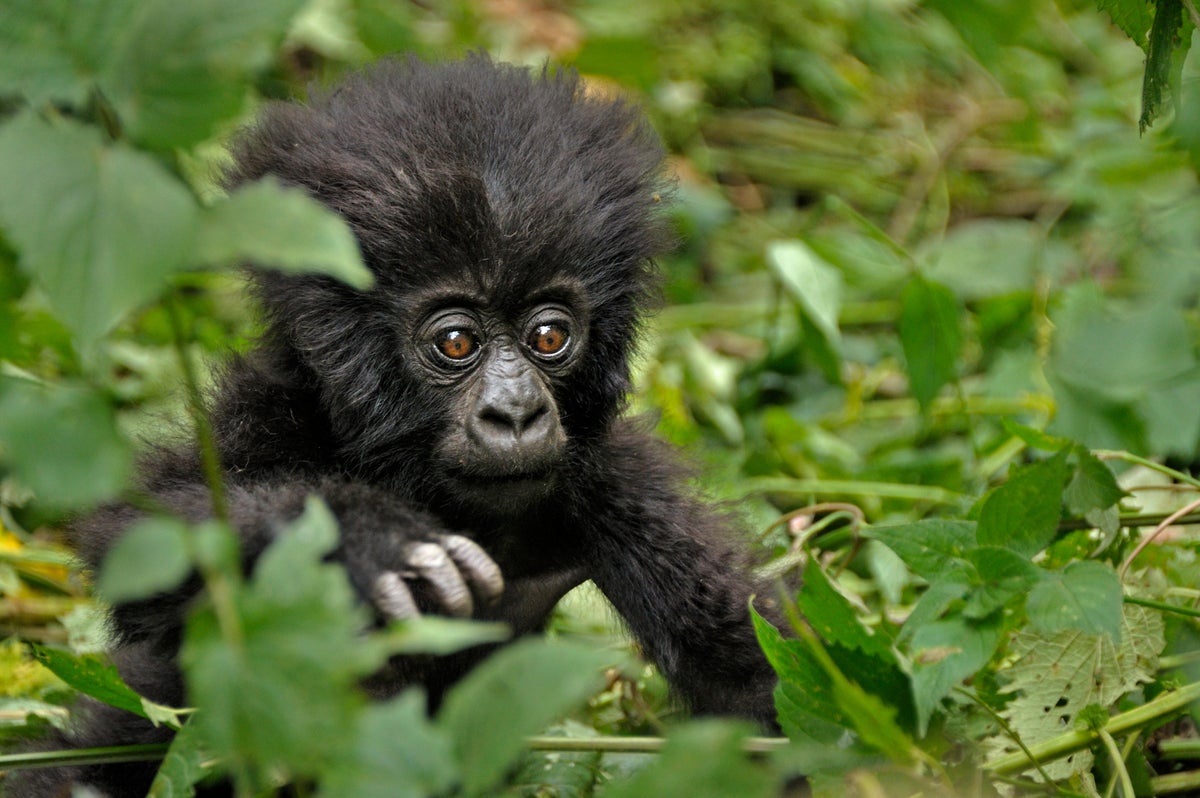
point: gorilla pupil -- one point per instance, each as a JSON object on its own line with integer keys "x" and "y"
{"x": 548, "y": 339}
{"x": 457, "y": 344}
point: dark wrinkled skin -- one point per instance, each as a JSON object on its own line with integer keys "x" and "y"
{"x": 501, "y": 213}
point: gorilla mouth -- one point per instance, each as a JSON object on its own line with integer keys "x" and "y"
{"x": 517, "y": 478}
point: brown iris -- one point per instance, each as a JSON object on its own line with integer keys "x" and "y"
{"x": 548, "y": 339}
{"x": 457, "y": 344}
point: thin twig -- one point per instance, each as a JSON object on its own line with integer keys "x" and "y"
{"x": 1158, "y": 530}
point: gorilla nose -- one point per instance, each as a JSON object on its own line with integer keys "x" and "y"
{"x": 516, "y": 417}
{"x": 515, "y": 422}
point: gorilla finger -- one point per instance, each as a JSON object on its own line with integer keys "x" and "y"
{"x": 393, "y": 598}
{"x": 437, "y": 569}
{"x": 475, "y": 564}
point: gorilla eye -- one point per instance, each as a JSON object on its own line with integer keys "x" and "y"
{"x": 548, "y": 339}
{"x": 457, "y": 344}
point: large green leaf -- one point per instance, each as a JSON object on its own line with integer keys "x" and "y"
{"x": 1023, "y": 513}
{"x": 172, "y": 71}
{"x": 53, "y": 50}
{"x": 98, "y": 225}
{"x": 944, "y": 653}
{"x": 184, "y": 67}
{"x": 395, "y": 752}
{"x": 282, "y": 228}
{"x": 1086, "y": 596}
{"x": 1051, "y": 678}
{"x": 62, "y": 441}
{"x": 277, "y": 694}
{"x": 517, "y": 692}
{"x": 928, "y": 547}
{"x": 931, "y": 335}
{"x": 150, "y": 557}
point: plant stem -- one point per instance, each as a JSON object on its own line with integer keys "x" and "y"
{"x": 1160, "y": 605}
{"x": 84, "y": 756}
{"x": 639, "y": 745}
{"x": 1187, "y": 782}
{"x": 1178, "y": 476}
{"x": 1165, "y": 705}
{"x": 887, "y": 490}
{"x": 204, "y": 433}
{"x": 1118, "y": 763}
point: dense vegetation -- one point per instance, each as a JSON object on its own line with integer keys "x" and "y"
{"x": 933, "y": 326}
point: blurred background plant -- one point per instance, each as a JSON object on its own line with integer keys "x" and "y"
{"x": 921, "y": 244}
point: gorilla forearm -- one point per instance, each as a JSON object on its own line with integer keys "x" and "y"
{"x": 670, "y": 567}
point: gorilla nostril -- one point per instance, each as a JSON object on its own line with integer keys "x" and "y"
{"x": 516, "y": 421}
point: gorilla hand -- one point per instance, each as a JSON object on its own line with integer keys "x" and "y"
{"x": 448, "y": 574}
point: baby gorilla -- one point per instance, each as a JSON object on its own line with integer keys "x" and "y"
{"x": 462, "y": 418}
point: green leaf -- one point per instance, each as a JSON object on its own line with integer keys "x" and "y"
{"x": 832, "y": 616}
{"x": 94, "y": 675}
{"x": 936, "y": 601}
{"x": 394, "y": 752}
{"x": 1157, "y": 80}
{"x": 702, "y": 760}
{"x": 1092, "y": 486}
{"x": 816, "y": 287}
{"x": 433, "y": 635}
{"x": 150, "y": 557}
{"x": 931, "y": 335}
{"x": 1050, "y": 678}
{"x": 62, "y": 442}
{"x": 99, "y": 226}
{"x": 279, "y": 227}
{"x": 172, "y": 71}
{"x": 1023, "y": 513}
{"x": 1001, "y": 575}
{"x": 516, "y": 692}
{"x": 567, "y": 774}
{"x": 50, "y": 50}
{"x": 804, "y": 698}
{"x": 1085, "y": 596}
{"x": 944, "y": 653}
{"x": 928, "y": 547}
{"x": 183, "y": 68}
{"x": 1035, "y": 438}
{"x": 813, "y": 691}
{"x": 988, "y": 257}
{"x": 186, "y": 763}
{"x": 1131, "y": 16}
{"x": 281, "y": 696}
{"x": 1101, "y": 346}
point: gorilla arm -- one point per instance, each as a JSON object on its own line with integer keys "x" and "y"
{"x": 660, "y": 558}
{"x": 400, "y": 560}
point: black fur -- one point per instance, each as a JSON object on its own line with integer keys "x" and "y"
{"x": 465, "y": 183}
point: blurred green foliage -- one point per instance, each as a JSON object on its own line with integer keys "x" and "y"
{"x": 927, "y": 265}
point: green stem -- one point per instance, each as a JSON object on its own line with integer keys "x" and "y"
{"x": 1118, "y": 763}
{"x": 1160, "y": 605}
{"x": 84, "y": 756}
{"x": 827, "y": 487}
{"x": 639, "y": 745}
{"x": 1154, "y": 711}
{"x": 1008, "y": 730}
{"x": 1178, "y": 476}
{"x": 1187, "y": 783}
{"x": 1152, "y": 519}
{"x": 219, "y": 587}
{"x": 204, "y": 433}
